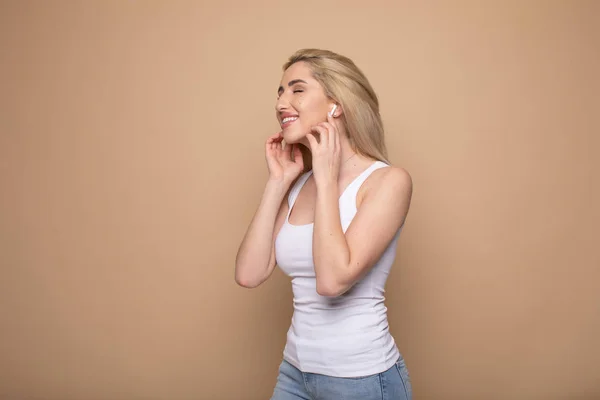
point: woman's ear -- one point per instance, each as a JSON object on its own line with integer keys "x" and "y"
{"x": 335, "y": 111}
{"x": 332, "y": 111}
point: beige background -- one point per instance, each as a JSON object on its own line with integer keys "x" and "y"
{"x": 132, "y": 160}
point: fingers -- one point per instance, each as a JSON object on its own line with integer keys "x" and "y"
{"x": 323, "y": 134}
{"x": 312, "y": 141}
{"x": 330, "y": 118}
{"x": 331, "y": 135}
{"x": 276, "y": 146}
{"x": 274, "y": 137}
{"x": 335, "y": 138}
{"x": 278, "y": 137}
{"x": 273, "y": 143}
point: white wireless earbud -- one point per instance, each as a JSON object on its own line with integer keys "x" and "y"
{"x": 333, "y": 110}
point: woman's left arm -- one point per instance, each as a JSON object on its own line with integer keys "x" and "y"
{"x": 343, "y": 259}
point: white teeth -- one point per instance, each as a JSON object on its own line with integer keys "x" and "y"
{"x": 289, "y": 119}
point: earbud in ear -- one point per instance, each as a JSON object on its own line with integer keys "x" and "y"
{"x": 331, "y": 113}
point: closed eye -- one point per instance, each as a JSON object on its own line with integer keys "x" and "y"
{"x": 294, "y": 91}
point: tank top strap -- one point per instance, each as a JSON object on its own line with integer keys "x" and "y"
{"x": 296, "y": 189}
{"x": 352, "y": 189}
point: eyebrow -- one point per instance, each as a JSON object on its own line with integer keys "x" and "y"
{"x": 290, "y": 83}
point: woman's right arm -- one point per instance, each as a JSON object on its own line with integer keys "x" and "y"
{"x": 255, "y": 260}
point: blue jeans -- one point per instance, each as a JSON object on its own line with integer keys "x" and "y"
{"x": 293, "y": 384}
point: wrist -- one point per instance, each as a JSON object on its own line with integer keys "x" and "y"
{"x": 325, "y": 185}
{"x": 276, "y": 187}
{"x": 327, "y": 191}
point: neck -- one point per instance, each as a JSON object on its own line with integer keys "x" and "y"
{"x": 347, "y": 157}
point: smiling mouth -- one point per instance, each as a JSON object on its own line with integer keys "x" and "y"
{"x": 287, "y": 121}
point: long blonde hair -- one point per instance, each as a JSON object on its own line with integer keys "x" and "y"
{"x": 347, "y": 85}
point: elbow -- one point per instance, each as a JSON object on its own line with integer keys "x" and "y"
{"x": 330, "y": 288}
{"x": 245, "y": 277}
{"x": 242, "y": 282}
{"x": 245, "y": 281}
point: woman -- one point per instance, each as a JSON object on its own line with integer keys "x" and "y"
{"x": 333, "y": 228}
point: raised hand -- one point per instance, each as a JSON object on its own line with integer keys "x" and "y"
{"x": 284, "y": 165}
{"x": 326, "y": 153}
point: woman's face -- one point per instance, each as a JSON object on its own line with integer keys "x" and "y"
{"x": 301, "y": 103}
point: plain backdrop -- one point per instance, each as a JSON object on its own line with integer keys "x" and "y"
{"x": 131, "y": 162}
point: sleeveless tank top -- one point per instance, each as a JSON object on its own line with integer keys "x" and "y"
{"x": 344, "y": 336}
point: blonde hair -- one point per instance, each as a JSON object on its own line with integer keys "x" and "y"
{"x": 347, "y": 85}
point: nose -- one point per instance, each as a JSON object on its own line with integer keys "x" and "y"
{"x": 282, "y": 103}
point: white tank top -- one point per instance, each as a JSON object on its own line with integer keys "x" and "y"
{"x": 344, "y": 336}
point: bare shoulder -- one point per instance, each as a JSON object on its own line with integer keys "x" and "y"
{"x": 395, "y": 177}
{"x": 395, "y": 182}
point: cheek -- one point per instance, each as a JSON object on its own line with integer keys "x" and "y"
{"x": 307, "y": 106}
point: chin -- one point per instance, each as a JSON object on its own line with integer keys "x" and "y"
{"x": 292, "y": 137}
